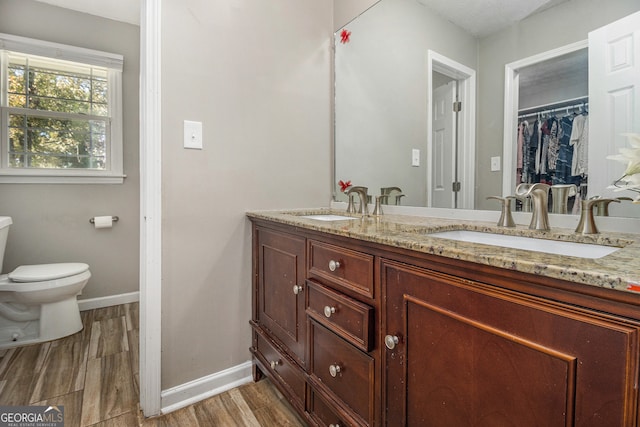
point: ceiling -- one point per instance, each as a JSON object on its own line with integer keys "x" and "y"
{"x": 478, "y": 17}
{"x": 483, "y": 17}
{"x": 119, "y": 10}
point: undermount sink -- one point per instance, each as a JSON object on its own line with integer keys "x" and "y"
{"x": 580, "y": 250}
{"x": 328, "y": 217}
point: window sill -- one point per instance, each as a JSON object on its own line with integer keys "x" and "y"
{"x": 61, "y": 179}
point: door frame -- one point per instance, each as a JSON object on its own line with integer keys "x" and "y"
{"x": 466, "y": 78}
{"x": 511, "y": 96}
{"x": 150, "y": 208}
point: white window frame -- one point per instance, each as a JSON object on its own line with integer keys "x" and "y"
{"x": 114, "y": 173}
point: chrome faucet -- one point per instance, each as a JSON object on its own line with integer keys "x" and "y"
{"x": 377, "y": 211}
{"x": 560, "y": 194}
{"x": 602, "y": 205}
{"x": 539, "y": 194}
{"x": 364, "y": 198}
{"x": 587, "y": 224}
{"x": 506, "y": 219}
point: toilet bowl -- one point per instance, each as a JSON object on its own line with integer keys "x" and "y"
{"x": 39, "y": 302}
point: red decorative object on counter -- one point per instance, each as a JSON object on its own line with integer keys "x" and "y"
{"x": 344, "y": 185}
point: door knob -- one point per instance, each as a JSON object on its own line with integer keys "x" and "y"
{"x": 334, "y": 370}
{"x": 390, "y": 341}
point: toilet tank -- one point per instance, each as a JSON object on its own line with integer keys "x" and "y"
{"x": 5, "y": 222}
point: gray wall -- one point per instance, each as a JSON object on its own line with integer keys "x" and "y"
{"x": 51, "y": 222}
{"x": 562, "y": 25}
{"x": 257, "y": 75}
{"x": 346, "y": 10}
{"x": 381, "y": 95}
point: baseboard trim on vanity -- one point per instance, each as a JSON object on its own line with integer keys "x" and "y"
{"x": 108, "y": 301}
{"x": 178, "y": 397}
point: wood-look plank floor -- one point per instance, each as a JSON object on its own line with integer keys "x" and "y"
{"x": 94, "y": 375}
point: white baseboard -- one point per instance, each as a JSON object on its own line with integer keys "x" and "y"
{"x": 100, "y": 302}
{"x": 202, "y": 388}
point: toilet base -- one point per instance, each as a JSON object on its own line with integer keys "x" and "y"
{"x": 57, "y": 320}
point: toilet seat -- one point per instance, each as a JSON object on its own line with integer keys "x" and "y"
{"x": 45, "y": 272}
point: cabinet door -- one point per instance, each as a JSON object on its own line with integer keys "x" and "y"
{"x": 468, "y": 354}
{"x": 280, "y": 299}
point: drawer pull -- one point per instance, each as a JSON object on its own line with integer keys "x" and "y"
{"x": 334, "y": 425}
{"x": 334, "y": 370}
{"x": 274, "y": 363}
{"x": 328, "y": 311}
{"x": 334, "y": 265}
{"x": 297, "y": 289}
{"x": 390, "y": 341}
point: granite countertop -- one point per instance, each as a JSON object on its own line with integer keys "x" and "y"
{"x": 619, "y": 270}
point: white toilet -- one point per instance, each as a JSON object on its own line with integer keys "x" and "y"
{"x": 38, "y": 302}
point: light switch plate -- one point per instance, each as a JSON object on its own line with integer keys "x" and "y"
{"x": 415, "y": 157}
{"x": 193, "y": 135}
{"x": 495, "y": 164}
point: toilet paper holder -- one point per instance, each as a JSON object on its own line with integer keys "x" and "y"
{"x": 113, "y": 218}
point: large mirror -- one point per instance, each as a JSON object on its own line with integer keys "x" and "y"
{"x": 398, "y": 65}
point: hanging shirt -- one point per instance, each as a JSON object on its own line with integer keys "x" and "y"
{"x": 580, "y": 141}
{"x": 563, "y": 173}
{"x": 554, "y": 144}
{"x": 519, "y": 153}
{"x": 546, "y": 132}
{"x": 537, "y": 137}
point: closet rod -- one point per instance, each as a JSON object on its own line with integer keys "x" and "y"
{"x": 555, "y": 109}
{"x": 573, "y": 102}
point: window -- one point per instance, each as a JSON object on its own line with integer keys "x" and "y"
{"x": 61, "y": 113}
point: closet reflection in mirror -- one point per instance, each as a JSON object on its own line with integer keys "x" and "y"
{"x": 551, "y": 136}
{"x": 383, "y": 94}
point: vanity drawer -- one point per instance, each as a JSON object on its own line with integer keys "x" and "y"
{"x": 286, "y": 372}
{"x": 344, "y": 371}
{"x": 323, "y": 413}
{"x": 341, "y": 267}
{"x": 350, "y": 319}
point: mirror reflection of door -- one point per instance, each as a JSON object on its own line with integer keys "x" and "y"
{"x": 444, "y": 149}
{"x": 451, "y": 135}
{"x": 614, "y": 76}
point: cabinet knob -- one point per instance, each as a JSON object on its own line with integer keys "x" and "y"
{"x": 328, "y": 311}
{"x": 297, "y": 289}
{"x": 390, "y": 341}
{"x": 334, "y": 265}
{"x": 334, "y": 425}
{"x": 274, "y": 363}
{"x": 334, "y": 370}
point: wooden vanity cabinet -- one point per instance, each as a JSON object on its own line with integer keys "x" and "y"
{"x": 462, "y": 353}
{"x": 357, "y": 334}
{"x": 279, "y": 294}
{"x": 313, "y": 319}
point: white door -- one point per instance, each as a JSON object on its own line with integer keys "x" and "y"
{"x": 614, "y": 96}
{"x": 444, "y": 147}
